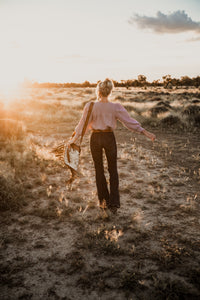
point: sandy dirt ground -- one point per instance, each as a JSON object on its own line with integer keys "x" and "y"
{"x": 59, "y": 245}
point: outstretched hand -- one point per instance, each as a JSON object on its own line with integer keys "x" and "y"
{"x": 150, "y": 135}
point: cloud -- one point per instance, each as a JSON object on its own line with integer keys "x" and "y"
{"x": 174, "y": 22}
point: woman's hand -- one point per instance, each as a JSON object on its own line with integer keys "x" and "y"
{"x": 70, "y": 142}
{"x": 150, "y": 135}
{"x": 72, "y": 139}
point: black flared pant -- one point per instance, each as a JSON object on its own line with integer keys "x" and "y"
{"x": 106, "y": 141}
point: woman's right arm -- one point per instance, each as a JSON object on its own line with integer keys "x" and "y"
{"x": 79, "y": 127}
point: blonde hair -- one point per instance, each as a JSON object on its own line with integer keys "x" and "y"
{"x": 104, "y": 88}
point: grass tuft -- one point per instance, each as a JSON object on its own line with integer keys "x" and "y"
{"x": 11, "y": 129}
{"x": 12, "y": 195}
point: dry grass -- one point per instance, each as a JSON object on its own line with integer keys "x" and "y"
{"x": 12, "y": 196}
{"x": 54, "y": 237}
{"x": 11, "y": 129}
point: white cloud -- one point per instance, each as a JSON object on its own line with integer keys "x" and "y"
{"x": 174, "y": 22}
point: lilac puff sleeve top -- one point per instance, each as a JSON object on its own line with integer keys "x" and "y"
{"x": 104, "y": 116}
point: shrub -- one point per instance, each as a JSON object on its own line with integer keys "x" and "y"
{"x": 160, "y": 107}
{"x": 130, "y": 281}
{"x": 11, "y": 195}
{"x": 171, "y": 121}
{"x": 191, "y": 110}
{"x": 197, "y": 121}
{"x": 120, "y": 98}
{"x": 193, "y": 115}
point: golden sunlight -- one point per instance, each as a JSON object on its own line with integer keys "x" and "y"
{"x": 13, "y": 71}
{"x": 9, "y": 90}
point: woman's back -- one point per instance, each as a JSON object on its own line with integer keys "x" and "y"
{"x": 103, "y": 116}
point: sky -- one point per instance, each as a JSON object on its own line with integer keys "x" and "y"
{"x": 74, "y": 41}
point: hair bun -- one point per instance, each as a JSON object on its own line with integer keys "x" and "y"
{"x": 105, "y": 87}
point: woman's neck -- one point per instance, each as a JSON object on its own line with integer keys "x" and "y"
{"x": 103, "y": 99}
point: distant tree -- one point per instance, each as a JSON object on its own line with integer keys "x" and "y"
{"x": 175, "y": 81}
{"x": 123, "y": 83}
{"x": 186, "y": 80}
{"x": 86, "y": 84}
{"x": 129, "y": 83}
{"x": 166, "y": 79}
{"x": 196, "y": 81}
{"x": 156, "y": 82}
{"x": 142, "y": 79}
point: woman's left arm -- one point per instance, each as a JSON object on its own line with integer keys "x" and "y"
{"x": 123, "y": 116}
{"x": 133, "y": 125}
{"x": 148, "y": 134}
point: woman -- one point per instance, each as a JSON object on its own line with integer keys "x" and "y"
{"x": 102, "y": 123}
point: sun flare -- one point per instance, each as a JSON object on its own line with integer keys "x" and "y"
{"x": 9, "y": 90}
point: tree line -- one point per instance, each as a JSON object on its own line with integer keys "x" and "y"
{"x": 141, "y": 81}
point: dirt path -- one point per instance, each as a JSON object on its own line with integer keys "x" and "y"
{"x": 61, "y": 247}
